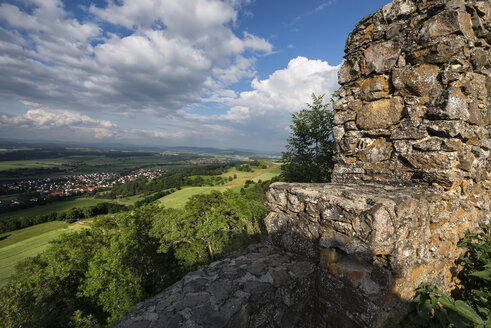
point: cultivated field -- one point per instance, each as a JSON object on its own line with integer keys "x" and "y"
{"x": 9, "y": 165}
{"x": 18, "y": 245}
{"x": 54, "y": 207}
{"x": 179, "y": 198}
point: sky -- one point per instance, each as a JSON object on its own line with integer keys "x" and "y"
{"x": 201, "y": 73}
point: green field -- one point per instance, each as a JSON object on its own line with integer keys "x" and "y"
{"x": 54, "y": 207}
{"x": 9, "y": 165}
{"x": 179, "y": 198}
{"x": 131, "y": 200}
{"x": 17, "y": 245}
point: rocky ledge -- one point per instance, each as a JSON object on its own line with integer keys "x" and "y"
{"x": 262, "y": 286}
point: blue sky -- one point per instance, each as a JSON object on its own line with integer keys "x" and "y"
{"x": 208, "y": 73}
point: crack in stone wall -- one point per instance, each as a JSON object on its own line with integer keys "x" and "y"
{"x": 412, "y": 173}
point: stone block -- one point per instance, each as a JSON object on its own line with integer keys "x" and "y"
{"x": 379, "y": 114}
{"x": 417, "y": 80}
{"x": 380, "y": 57}
{"x": 374, "y": 88}
{"x": 342, "y": 117}
{"x": 377, "y": 151}
{"x": 397, "y": 9}
{"x": 455, "y": 108}
{"x": 349, "y": 71}
{"x": 431, "y": 160}
{"x": 447, "y": 22}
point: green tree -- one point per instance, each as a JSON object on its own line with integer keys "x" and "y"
{"x": 126, "y": 267}
{"x": 197, "y": 233}
{"x": 42, "y": 291}
{"x": 310, "y": 147}
{"x": 209, "y": 226}
{"x": 89, "y": 278}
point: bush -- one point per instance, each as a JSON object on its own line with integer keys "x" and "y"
{"x": 472, "y": 306}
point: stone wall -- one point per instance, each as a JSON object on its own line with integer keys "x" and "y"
{"x": 374, "y": 244}
{"x": 413, "y": 106}
{"x": 412, "y": 174}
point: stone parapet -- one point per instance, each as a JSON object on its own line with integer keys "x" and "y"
{"x": 374, "y": 244}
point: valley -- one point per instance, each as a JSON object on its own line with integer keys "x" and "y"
{"x": 28, "y": 229}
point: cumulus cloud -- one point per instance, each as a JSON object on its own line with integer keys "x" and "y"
{"x": 40, "y": 119}
{"x": 172, "y": 54}
{"x": 289, "y": 89}
{"x": 160, "y": 59}
{"x": 263, "y": 114}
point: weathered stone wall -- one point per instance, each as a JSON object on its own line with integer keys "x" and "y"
{"x": 413, "y": 173}
{"x": 415, "y": 97}
{"x": 374, "y": 244}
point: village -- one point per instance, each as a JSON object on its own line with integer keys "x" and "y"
{"x": 41, "y": 189}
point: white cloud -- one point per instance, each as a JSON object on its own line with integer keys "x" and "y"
{"x": 288, "y": 90}
{"x": 176, "y": 53}
{"x": 263, "y": 114}
{"x": 184, "y": 18}
{"x": 177, "y": 56}
{"x": 41, "y": 119}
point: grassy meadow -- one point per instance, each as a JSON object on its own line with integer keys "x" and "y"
{"x": 178, "y": 199}
{"x": 9, "y": 165}
{"x": 18, "y": 245}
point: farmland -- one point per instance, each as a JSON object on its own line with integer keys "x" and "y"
{"x": 53, "y": 207}
{"x": 9, "y": 165}
{"x": 17, "y": 245}
{"x": 179, "y": 198}
{"x": 60, "y": 164}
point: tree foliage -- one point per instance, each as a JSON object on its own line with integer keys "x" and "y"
{"x": 310, "y": 146}
{"x": 209, "y": 226}
{"x": 93, "y": 277}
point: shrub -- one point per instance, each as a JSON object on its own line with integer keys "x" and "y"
{"x": 472, "y": 306}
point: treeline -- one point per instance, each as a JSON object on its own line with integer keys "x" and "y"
{"x": 154, "y": 197}
{"x": 93, "y": 277}
{"x": 173, "y": 179}
{"x": 40, "y": 201}
{"x": 19, "y": 173}
{"x": 70, "y": 216}
{"x": 43, "y": 153}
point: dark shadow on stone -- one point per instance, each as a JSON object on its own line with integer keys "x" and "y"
{"x": 266, "y": 286}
